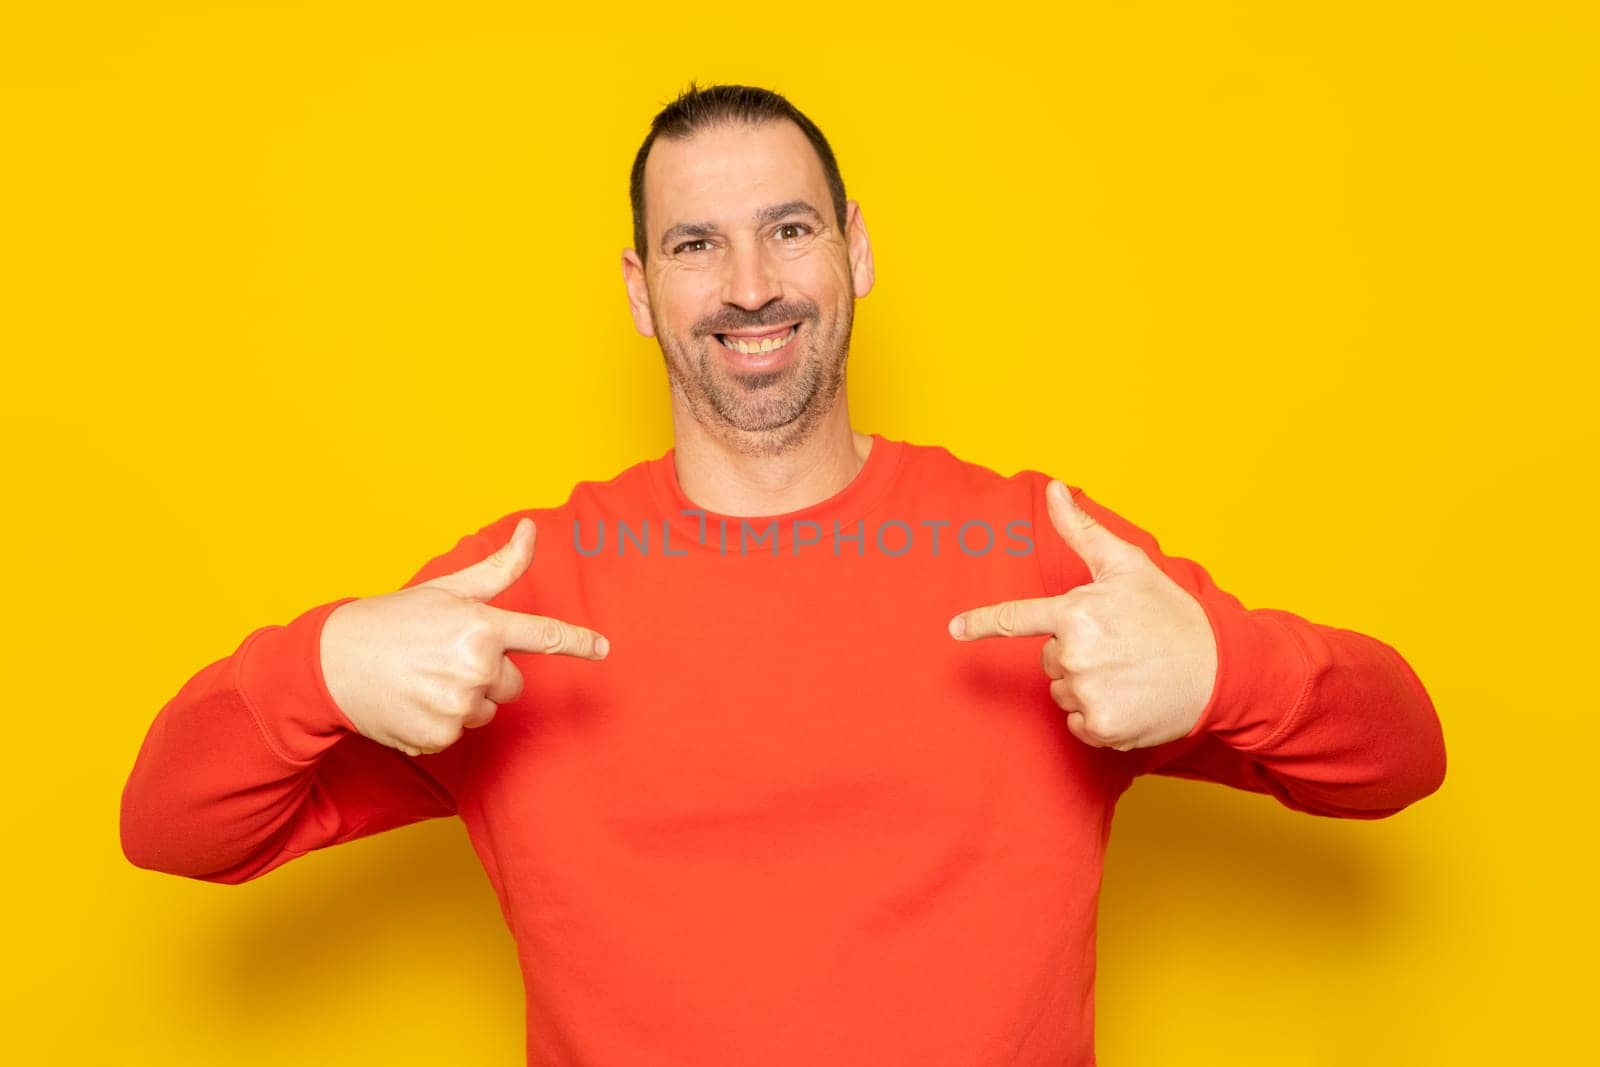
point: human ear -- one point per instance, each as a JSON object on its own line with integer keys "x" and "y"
{"x": 862, "y": 273}
{"x": 638, "y": 293}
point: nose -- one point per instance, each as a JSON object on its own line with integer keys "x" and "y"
{"x": 751, "y": 280}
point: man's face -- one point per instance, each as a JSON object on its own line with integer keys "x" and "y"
{"x": 749, "y": 286}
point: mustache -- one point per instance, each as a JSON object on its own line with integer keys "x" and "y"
{"x": 768, "y": 315}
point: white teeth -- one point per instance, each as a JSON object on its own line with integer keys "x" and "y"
{"x": 769, "y": 344}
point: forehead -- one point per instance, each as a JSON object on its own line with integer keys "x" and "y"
{"x": 724, "y": 174}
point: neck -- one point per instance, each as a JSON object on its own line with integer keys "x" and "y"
{"x": 726, "y": 479}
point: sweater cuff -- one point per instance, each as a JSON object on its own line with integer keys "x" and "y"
{"x": 1263, "y": 676}
{"x": 279, "y": 677}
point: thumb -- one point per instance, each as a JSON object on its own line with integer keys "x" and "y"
{"x": 1103, "y": 551}
{"x": 490, "y": 577}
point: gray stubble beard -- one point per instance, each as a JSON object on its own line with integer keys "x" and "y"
{"x": 717, "y": 407}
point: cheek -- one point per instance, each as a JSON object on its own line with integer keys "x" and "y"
{"x": 679, "y": 300}
{"x": 831, "y": 290}
{"x": 826, "y": 280}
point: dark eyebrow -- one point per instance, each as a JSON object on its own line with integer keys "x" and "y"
{"x": 793, "y": 207}
{"x": 701, "y": 230}
{"x": 687, "y": 229}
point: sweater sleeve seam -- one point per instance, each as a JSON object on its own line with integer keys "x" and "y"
{"x": 255, "y": 714}
{"x": 1292, "y": 718}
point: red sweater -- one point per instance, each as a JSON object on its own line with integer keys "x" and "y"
{"x": 788, "y": 820}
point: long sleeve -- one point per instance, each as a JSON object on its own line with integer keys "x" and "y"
{"x": 252, "y": 763}
{"x": 1329, "y": 721}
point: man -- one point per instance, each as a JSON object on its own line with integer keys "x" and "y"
{"x": 804, "y": 746}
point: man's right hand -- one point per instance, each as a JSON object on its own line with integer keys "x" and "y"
{"x": 413, "y": 668}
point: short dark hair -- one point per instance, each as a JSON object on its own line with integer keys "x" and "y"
{"x": 696, "y": 109}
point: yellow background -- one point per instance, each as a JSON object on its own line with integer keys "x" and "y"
{"x": 294, "y": 295}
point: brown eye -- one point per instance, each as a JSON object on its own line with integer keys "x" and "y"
{"x": 698, "y": 245}
{"x": 791, "y": 230}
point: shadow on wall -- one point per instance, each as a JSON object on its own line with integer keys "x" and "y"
{"x": 1190, "y": 865}
{"x": 312, "y": 935}
{"x": 1194, "y": 864}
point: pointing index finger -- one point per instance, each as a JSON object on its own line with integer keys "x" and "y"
{"x": 1009, "y": 618}
{"x": 524, "y": 632}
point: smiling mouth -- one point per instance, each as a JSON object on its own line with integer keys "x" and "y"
{"x": 752, "y": 345}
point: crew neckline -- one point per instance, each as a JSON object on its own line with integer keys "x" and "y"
{"x": 850, "y": 504}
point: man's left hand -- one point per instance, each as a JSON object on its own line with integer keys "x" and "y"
{"x": 1131, "y": 656}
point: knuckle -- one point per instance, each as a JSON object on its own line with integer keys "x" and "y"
{"x": 1108, "y": 729}
{"x": 461, "y": 707}
{"x": 554, "y": 636}
{"x": 510, "y": 690}
{"x": 478, "y": 642}
{"x": 441, "y": 735}
{"x": 1094, "y": 727}
{"x": 486, "y": 669}
{"x": 1078, "y": 630}
{"x": 500, "y": 558}
{"x": 432, "y": 593}
{"x": 1005, "y": 620}
{"x": 1048, "y": 662}
{"x": 482, "y": 716}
